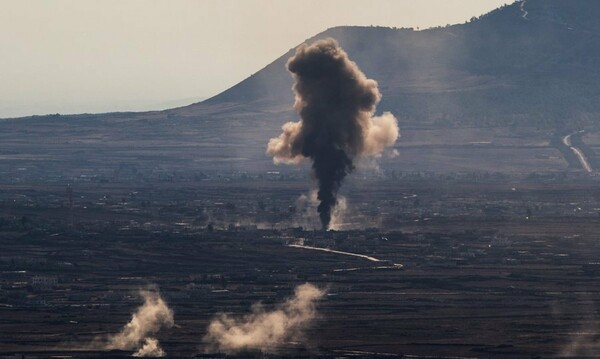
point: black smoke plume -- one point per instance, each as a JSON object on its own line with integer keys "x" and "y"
{"x": 336, "y": 103}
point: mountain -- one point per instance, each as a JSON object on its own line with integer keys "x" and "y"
{"x": 492, "y": 94}
{"x": 532, "y": 62}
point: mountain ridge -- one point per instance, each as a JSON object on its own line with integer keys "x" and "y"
{"x": 473, "y": 73}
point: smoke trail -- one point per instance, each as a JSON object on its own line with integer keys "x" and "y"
{"x": 153, "y": 315}
{"x": 263, "y": 330}
{"x": 336, "y": 103}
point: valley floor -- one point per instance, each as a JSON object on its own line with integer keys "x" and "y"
{"x": 491, "y": 267}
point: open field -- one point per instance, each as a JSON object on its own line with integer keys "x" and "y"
{"x": 507, "y": 269}
{"x": 150, "y": 145}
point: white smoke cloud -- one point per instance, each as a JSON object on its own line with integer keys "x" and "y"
{"x": 394, "y": 153}
{"x": 281, "y": 147}
{"x": 381, "y": 132}
{"x": 150, "y": 349}
{"x": 264, "y": 330}
{"x": 339, "y": 213}
{"x": 145, "y": 323}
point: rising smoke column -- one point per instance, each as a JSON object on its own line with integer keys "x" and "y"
{"x": 263, "y": 330}
{"x": 138, "y": 334}
{"x": 336, "y": 103}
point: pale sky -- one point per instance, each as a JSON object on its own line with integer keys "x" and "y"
{"x": 75, "y": 56}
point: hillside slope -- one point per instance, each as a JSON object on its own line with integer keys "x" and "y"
{"x": 490, "y": 95}
{"x": 506, "y": 67}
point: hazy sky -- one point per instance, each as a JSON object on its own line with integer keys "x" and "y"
{"x": 73, "y": 56}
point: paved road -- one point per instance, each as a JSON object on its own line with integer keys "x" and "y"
{"x": 372, "y": 259}
{"x": 579, "y": 153}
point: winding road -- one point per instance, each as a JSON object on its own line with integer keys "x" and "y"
{"x": 525, "y": 13}
{"x": 580, "y": 155}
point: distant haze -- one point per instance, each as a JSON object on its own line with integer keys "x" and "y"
{"x": 74, "y": 56}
